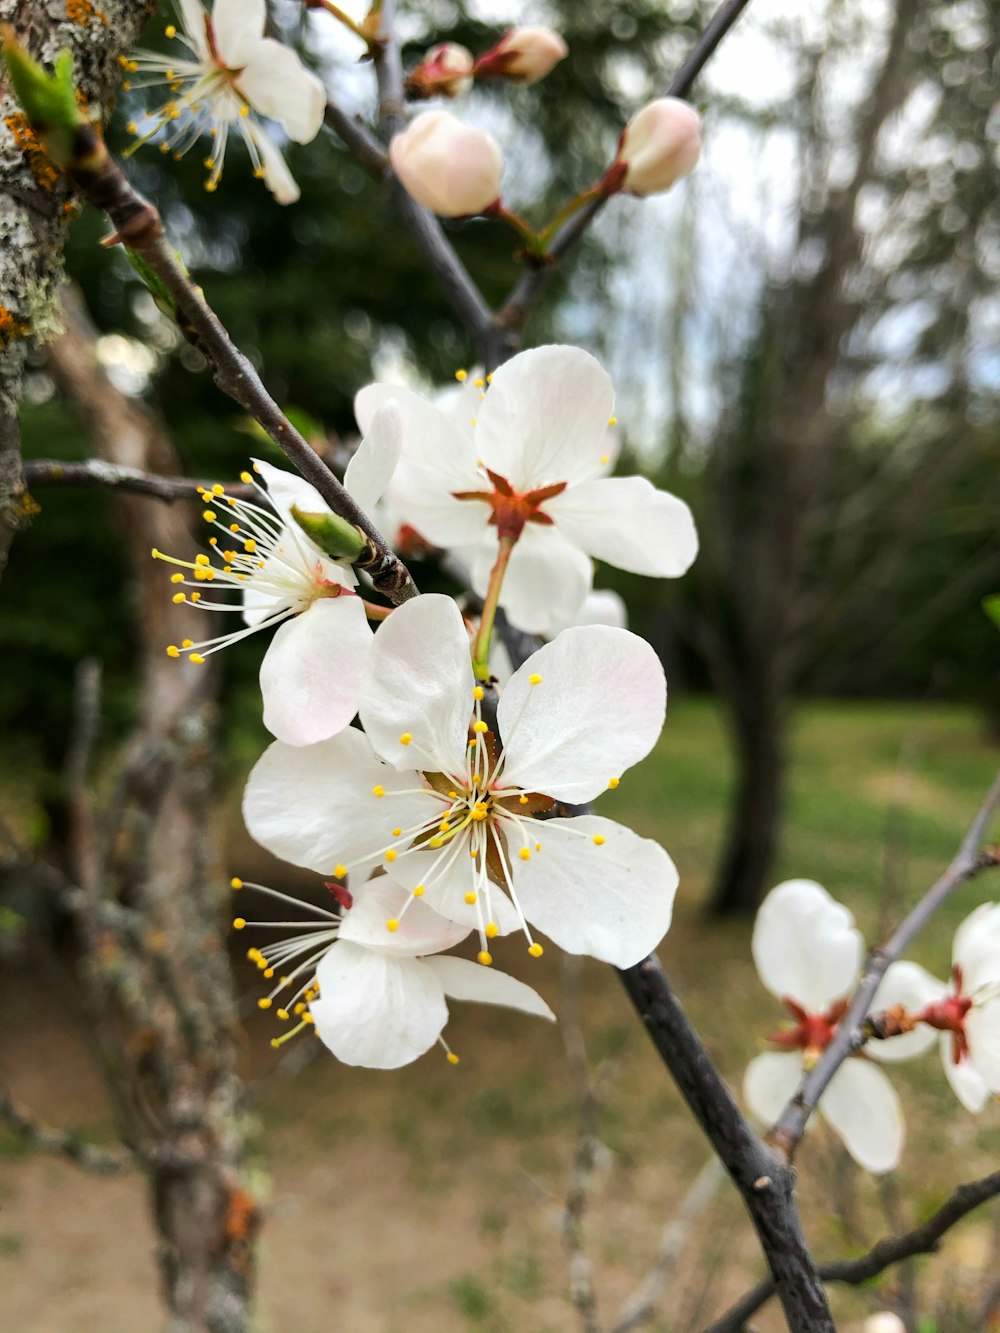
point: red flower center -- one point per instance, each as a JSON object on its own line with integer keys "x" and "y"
{"x": 511, "y": 509}
{"x": 811, "y": 1033}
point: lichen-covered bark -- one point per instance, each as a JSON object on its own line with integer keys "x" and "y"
{"x": 37, "y": 203}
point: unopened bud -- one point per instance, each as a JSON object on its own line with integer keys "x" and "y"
{"x": 448, "y": 167}
{"x": 334, "y": 535}
{"x": 883, "y": 1322}
{"x": 445, "y": 71}
{"x": 523, "y": 55}
{"x": 659, "y": 144}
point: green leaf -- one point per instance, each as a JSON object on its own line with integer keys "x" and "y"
{"x": 991, "y": 605}
{"x": 334, "y": 535}
{"x": 48, "y": 98}
{"x": 151, "y": 281}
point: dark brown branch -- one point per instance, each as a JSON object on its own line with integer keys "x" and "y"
{"x": 95, "y": 472}
{"x": 970, "y": 860}
{"x": 924, "y": 1239}
{"x": 367, "y": 150}
{"x": 61, "y": 1142}
{"x": 510, "y": 319}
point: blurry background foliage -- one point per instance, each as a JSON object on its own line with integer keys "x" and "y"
{"x": 323, "y": 293}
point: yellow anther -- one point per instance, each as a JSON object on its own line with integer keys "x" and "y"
{"x": 483, "y": 957}
{"x": 244, "y": 110}
{"x": 173, "y": 651}
{"x": 479, "y": 692}
{"x": 276, "y": 1042}
{"x": 256, "y": 467}
{"x": 612, "y": 421}
{"x": 489, "y": 378}
{"x": 470, "y": 898}
{"x": 208, "y": 163}
{"x": 299, "y": 1009}
{"x": 179, "y": 597}
{"x": 132, "y": 127}
{"x": 339, "y": 871}
{"x": 480, "y": 726}
{"x": 522, "y": 800}
{"x": 170, "y": 30}
{"x": 269, "y": 972}
{"x": 246, "y": 478}
{"x": 390, "y": 855}
{"x": 461, "y": 376}
{"x": 258, "y": 173}
{"x": 187, "y": 643}
{"x": 613, "y": 783}
{"x": 177, "y": 578}
{"x": 252, "y": 954}
{"x": 196, "y": 597}
{"x": 604, "y": 459}
{"x": 264, "y": 1002}
{"x": 250, "y": 545}
{"x": 308, "y": 1018}
{"x": 396, "y": 832}
{"x": 525, "y": 854}
{"x": 392, "y": 925}
{"x": 538, "y": 846}
{"x": 435, "y": 842}
{"x": 479, "y": 382}
{"x": 492, "y": 930}
{"x": 197, "y": 659}
{"x": 535, "y": 950}
{"x": 209, "y": 515}
{"x": 218, "y": 489}
{"x": 598, "y": 839}
{"x": 405, "y": 738}
{"x": 234, "y": 527}
{"x": 235, "y": 883}
{"x": 452, "y": 1058}
{"x": 535, "y": 679}
{"x": 418, "y": 892}
{"x": 453, "y": 796}
{"x": 201, "y": 559}
{"x": 239, "y": 923}
{"x": 282, "y": 1014}
{"x": 480, "y": 810}
{"x": 378, "y": 790}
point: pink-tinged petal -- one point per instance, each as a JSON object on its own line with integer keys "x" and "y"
{"x": 314, "y": 805}
{"x": 982, "y": 1028}
{"x": 417, "y": 704}
{"x": 192, "y": 15}
{"x": 966, "y": 1082}
{"x": 977, "y": 948}
{"x": 420, "y": 930}
{"x": 861, "y": 1106}
{"x": 597, "y": 709}
{"x": 909, "y": 985}
{"x": 277, "y": 176}
{"x": 544, "y": 417}
{"x": 277, "y": 84}
{"x": 446, "y": 879}
{"x": 612, "y": 901}
{"x": 547, "y": 580}
{"x": 312, "y": 673}
{"x": 770, "y": 1082}
{"x": 376, "y": 1009}
{"x": 463, "y": 980}
{"x": 628, "y": 523}
{"x": 369, "y": 472}
{"x": 805, "y": 945}
{"x": 239, "y": 29}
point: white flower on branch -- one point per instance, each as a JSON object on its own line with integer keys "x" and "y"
{"x": 532, "y": 467}
{"x": 376, "y": 998}
{"x": 230, "y": 69}
{"x": 450, "y": 806}
{"x": 808, "y": 951}
{"x": 522, "y": 55}
{"x": 312, "y": 673}
{"x": 450, "y": 168}
{"x": 966, "y": 1013}
{"x": 659, "y": 145}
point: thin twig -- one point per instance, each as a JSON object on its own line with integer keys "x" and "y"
{"x": 61, "y": 1142}
{"x": 924, "y": 1239}
{"x": 95, "y": 472}
{"x": 970, "y": 860}
{"x": 581, "y": 1281}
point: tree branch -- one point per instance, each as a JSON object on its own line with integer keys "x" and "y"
{"x": 61, "y": 1142}
{"x": 924, "y": 1239}
{"x": 94, "y": 472}
{"x": 970, "y": 860}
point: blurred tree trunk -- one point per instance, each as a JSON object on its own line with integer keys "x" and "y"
{"x": 154, "y": 928}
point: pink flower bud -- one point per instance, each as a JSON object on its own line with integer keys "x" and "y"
{"x": 445, "y": 71}
{"x": 659, "y": 144}
{"x": 523, "y": 55}
{"x": 448, "y": 167}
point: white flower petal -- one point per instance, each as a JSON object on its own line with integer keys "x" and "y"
{"x": 375, "y": 1009}
{"x": 613, "y": 902}
{"x": 370, "y": 470}
{"x": 982, "y": 1029}
{"x": 192, "y": 15}
{"x": 421, "y": 930}
{"x": 313, "y": 805}
{"x": 628, "y": 523}
{"x": 601, "y": 607}
{"x": 421, "y": 686}
{"x": 277, "y": 175}
{"x": 239, "y": 29}
{"x": 544, "y": 417}
{"x": 977, "y": 948}
{"x": 547, "y": 580}
{"x": 966, "y": 1082}
{"x": 312, "y": 673}
{"x": 861, "y": 1105}
{"x": 770, "y": 1082}
{"x": 913, "y": 987}
{"x": 287, "y": 490}
{"x": 463, "y": 980}
{"x": 277, "y": 84}
{"x": 805, "y": 945}
{"x": 597, "y": 710}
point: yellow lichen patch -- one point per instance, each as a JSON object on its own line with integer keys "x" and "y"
{"x": 34, "y": 154}
{"x": 83, "y": 12}
{"x": 11, "y": 328}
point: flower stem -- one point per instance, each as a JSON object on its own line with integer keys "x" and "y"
{"x": 481, "y": 646}
{"x": 524, "y": 229}
{"x": 568, "y": 209}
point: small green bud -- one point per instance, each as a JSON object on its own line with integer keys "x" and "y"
{"x": 48, "y": 99}
{"x": 338, "y": 538}
{"x": 150, "y": 279}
